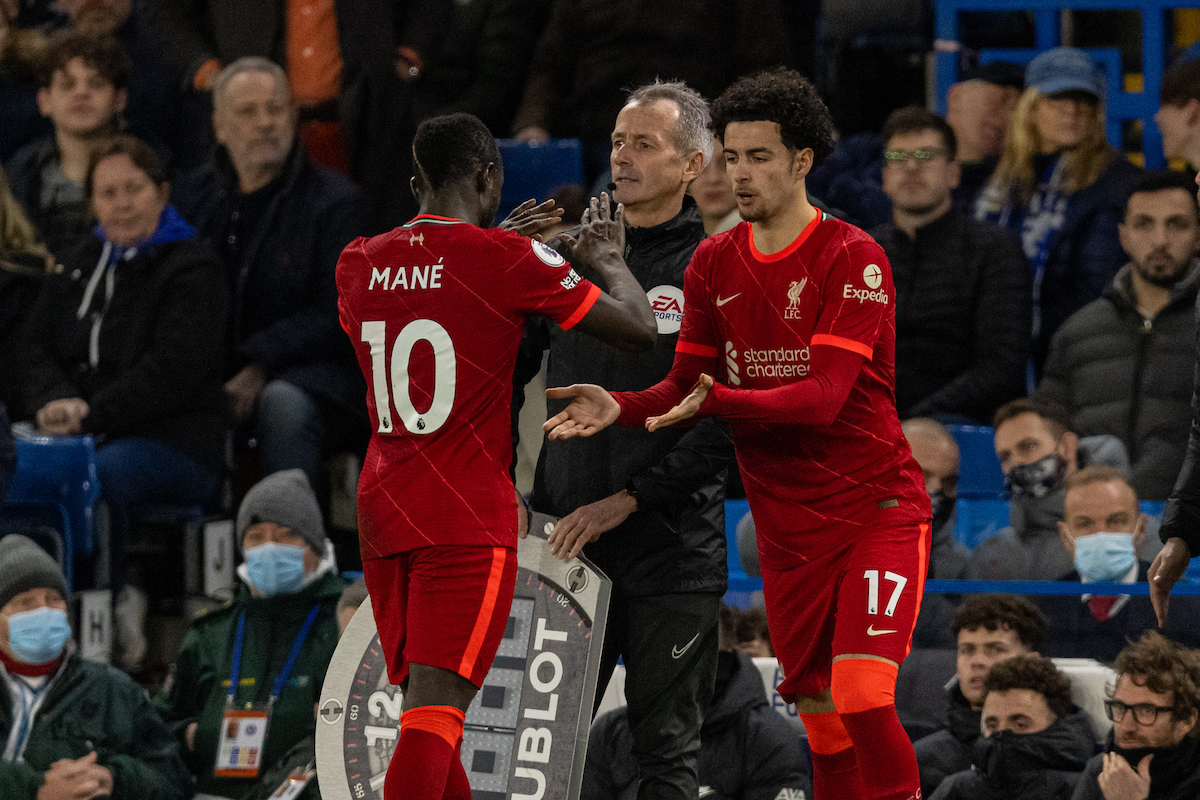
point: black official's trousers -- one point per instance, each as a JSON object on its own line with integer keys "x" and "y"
{"x": 669, "y": 646}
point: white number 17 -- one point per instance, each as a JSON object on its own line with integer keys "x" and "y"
{"x": 445, "y": 368}
{"x": 872, "y": 576}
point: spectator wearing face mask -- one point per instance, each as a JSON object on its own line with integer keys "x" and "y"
{"x": 1035, "y": 740}
{"x": 70, "y": 728}
{"x": 1102, "y": 528}
{"x": 236, "y": 658}
{"x": 1038, "y": 451}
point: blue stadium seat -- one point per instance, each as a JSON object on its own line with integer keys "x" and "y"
{"x": 979, "y": 474}
{"x": 741, "y": 585}
{"x": 56, "y": 475}
{"x": 978, "y": 518}
{"x": 536, "y": 170}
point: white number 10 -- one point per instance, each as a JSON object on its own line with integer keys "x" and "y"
{"x": 445, "y": 368}
{"x": 872, "y": 576}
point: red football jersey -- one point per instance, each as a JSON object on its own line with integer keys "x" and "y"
{"x": 751, "y": 319}
{"x": 435, "y": 310}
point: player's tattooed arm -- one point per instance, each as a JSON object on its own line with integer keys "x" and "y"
{"x": 622, "y": 317}
{"x": 533, "y": 219}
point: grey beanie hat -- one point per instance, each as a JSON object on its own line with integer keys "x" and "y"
{"x": 25, "y": 566}
{"x": 283, "y": 498}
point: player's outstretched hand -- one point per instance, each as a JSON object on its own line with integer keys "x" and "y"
{"x": 533, "y": 219}
{"x": 601, "y": 235}
{"x": 592, "y": 410}
{"x": 686, "y": 408}
{"x": 1168, "y": 567}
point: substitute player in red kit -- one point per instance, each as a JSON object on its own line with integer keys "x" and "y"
{"x": 436, "y": 309}
{"x": 793, "y": 314}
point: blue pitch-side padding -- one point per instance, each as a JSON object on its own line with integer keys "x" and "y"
{"x": 536, "y": 170}
{"x": 1181, "y": 589}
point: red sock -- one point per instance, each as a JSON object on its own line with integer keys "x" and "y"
{"x": 421, "y": 763}
{"x": 457, "y": 785}
{"x": 835, "y": 767}
{"x": 893, "y": 774}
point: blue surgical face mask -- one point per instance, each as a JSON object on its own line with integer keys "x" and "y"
{"x": 1104, "y": 557}
{"x": 38, "y": 636}
{"x": 276, "y": 568}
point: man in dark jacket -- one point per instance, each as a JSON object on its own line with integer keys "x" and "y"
{"x": 279, "y": 222}
{"x": 1154, "y": 748}
{"x": 349, "y": 70}
{"x": 1035, "y": 742}
{"x": 988, "y": 628}
{"x": 1102, "y": 528}
{"x": 590, "y": 52}
{"x": 94, "y": 731}
{"x": 1122, "y": 364}
{"x": 749, "y": 751}
{"x": 963, "y": 289}
{"x": 648, "y": 507}
{"x": 287, "y": 600}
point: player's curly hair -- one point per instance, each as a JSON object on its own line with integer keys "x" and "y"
{"x": 1164, "y": 666}
{"x": 452, "y": 148}
{"x": 994, "y": 612}
{"x": 778, "y": 95}
{"x": 1035, "y": 673}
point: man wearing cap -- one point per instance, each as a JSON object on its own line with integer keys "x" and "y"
{"x": 71, "y": 728}
{"x": 257, "y": 663}
{"x": 978, "y": 108}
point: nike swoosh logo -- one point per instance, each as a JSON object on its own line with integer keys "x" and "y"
{"x": 677, "y": 651}
{"x": 872, "y": 632}
{"x": 723, "y": 300}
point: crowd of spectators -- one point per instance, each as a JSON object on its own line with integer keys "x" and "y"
{"x": 178, "y": 182}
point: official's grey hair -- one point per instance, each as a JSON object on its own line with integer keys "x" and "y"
{"x": 695, "y": 124}
{"x": 248, "y": 64}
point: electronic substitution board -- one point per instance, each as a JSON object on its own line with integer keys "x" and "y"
{"x": 525, "y": 735}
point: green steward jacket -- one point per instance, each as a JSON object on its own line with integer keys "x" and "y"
{"x": 197, "y": 691}
{"x": 95, "y": 707}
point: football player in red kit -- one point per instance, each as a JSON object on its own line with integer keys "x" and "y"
{"x": 790, "y": 335}
{"x": 436, "y": 310}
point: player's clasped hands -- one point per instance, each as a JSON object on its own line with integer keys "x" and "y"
{"x": 532, "y": 219}
{"x": 601, "y": 233}
{"x": 591, "y": 411}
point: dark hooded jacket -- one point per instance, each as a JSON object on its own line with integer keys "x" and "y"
{"x": 748, "y": 751}
{"x": 1130, "y": 377}
{"x": 675, "y": 541}
{"x": 1030, "y": 766}
{"x": 949, "y": 750}
{"x": 284, "y": 314}
{"x": 160, "y": 344}
{"x": 1174, "y": 771}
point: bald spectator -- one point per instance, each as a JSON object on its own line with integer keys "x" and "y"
{"x": 978, "y": 107}
{"x": 1154, "y": 748}
{"x": 1102, "y": 529}
{"x": 1037, "y": 740}
{"x": 1122, "y": 364}
{"x": 279, "y": 222}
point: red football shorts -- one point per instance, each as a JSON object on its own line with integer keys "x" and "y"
{"x": 862, "y": 598}
{"x": 442, "y": 606}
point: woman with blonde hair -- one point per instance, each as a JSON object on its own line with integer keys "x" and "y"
{"x": 24, "y": 261}
{"x": 1062, "y": 188}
